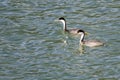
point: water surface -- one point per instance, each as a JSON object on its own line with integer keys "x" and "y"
{"x": 32, "y": 45}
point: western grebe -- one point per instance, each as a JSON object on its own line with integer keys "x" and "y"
{"x": 72, "y": 31}
{"x": 89, "y": 43}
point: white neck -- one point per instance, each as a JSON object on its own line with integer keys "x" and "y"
{"x": 82, "y": 37}
{"x": 64, "y": 24}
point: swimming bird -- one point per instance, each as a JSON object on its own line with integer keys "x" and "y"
{"x": 72, "y": 31}
{"x": 89, "y": 43}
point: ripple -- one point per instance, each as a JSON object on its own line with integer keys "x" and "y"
{"x": 32, "y": 45}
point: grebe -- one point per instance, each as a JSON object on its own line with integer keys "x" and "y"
{"x": 89, "y": 43}
{"x": 72, "y": 31}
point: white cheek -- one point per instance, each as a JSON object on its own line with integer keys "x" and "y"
{"x": 62, "y": 21}
{"x": 80, "y": 33}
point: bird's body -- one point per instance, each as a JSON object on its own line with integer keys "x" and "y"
{"x": 89, "y": 43}
{"x": 92, "y": 43}
{"x": 71, "y": 31}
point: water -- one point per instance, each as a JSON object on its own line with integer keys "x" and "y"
{"x": 32, "y": 45}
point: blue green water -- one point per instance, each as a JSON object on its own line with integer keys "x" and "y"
{"x": 32, "y": 45}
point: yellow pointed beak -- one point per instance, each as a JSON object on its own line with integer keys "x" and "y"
{"x": 86, "y": 33}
